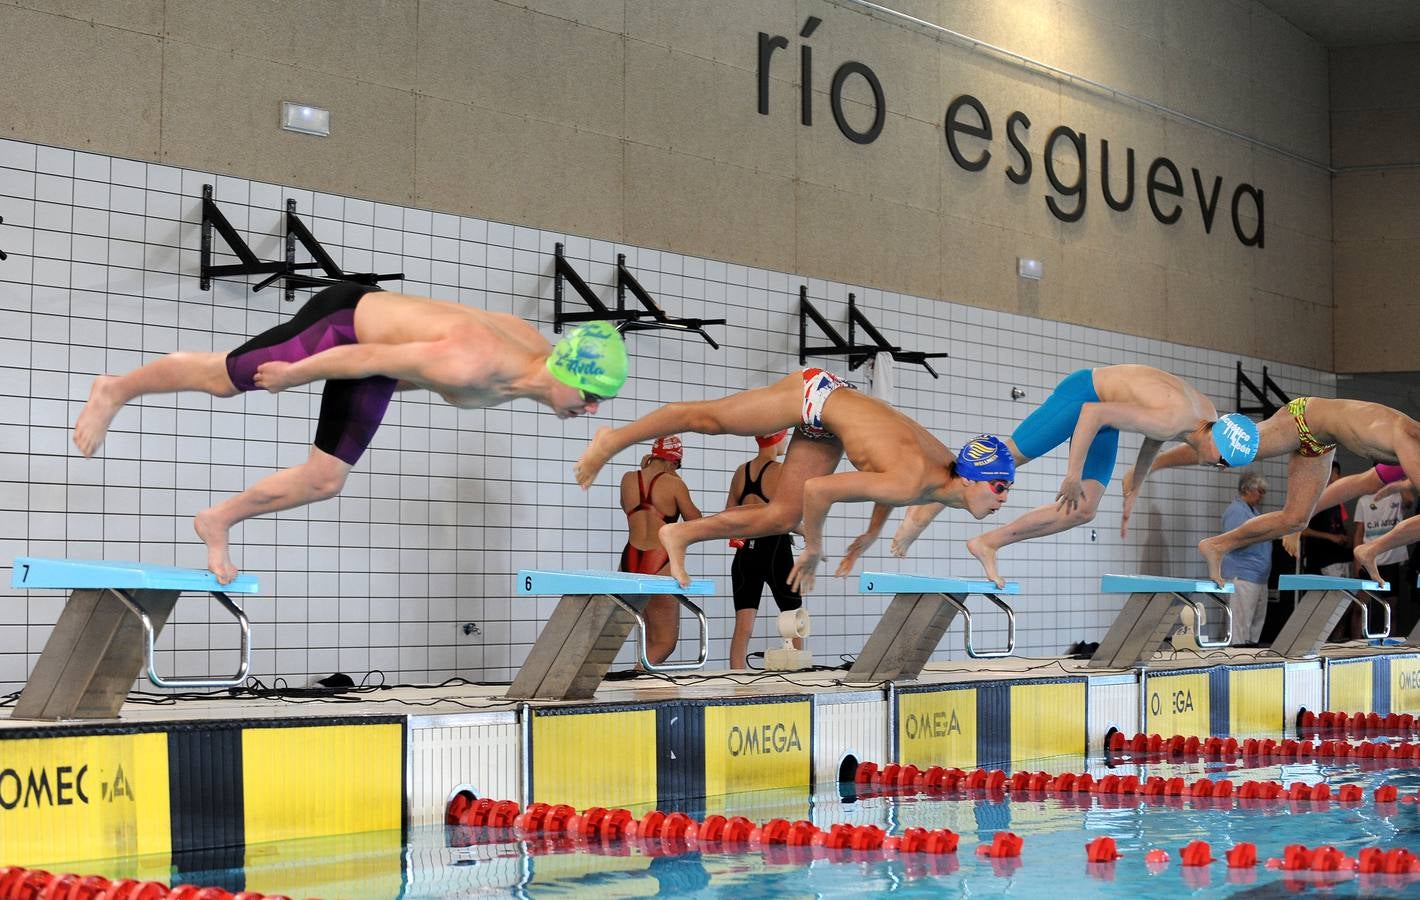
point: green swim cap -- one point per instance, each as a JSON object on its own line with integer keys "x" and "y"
{"x": 592, "y": 358}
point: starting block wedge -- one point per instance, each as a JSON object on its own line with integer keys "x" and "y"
{"x": 597, "y": 611}
{"x": 106, "y": 635}
{"x": 922, "y": 609}
{"x": 1151, "y": 613}
{"x": 1322, "y": 602}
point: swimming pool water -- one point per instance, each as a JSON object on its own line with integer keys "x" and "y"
{"x": 450, "y": 861}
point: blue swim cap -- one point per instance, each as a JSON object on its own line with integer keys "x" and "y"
{"x": 1237, "y": 439}
{"x": 986, "y": 458}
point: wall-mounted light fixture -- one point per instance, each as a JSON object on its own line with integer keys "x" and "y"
{"x": 1029, "y": 268}
{"x": 305, "y": 119}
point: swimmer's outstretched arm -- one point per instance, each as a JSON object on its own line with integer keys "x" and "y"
{"x": 1134, "y": 479}
{"x": 897, "y": 489}
{"x": 913, "y": 523}
{"x": 862, "y": 542}
{"x": 1094, "y": 416}
{"x": 419, "y": 363}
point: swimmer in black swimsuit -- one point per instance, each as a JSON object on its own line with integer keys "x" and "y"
{"x": 763, "y": 560}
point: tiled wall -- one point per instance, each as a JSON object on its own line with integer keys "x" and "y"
{"x": 447, "y": 504}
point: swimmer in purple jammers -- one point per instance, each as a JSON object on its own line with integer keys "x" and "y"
{"x": 366, "y": 343}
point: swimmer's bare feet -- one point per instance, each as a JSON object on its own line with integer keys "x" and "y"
{"x": 1214, "y": 555}
{"x": 1366, "y": 556}
{"x": 593, "y": 458}
{"x": 986, "y": 555}
{"x": 214, "y": 535}
{"x": 104, "y": 402}
{"x": 675, "y": 551}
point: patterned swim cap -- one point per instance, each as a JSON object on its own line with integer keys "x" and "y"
{"x": 986, "y": 458}
{"x": 1237, "y": 438}
{"x": 668, "y": 448}
{"x": 591, "y": 358}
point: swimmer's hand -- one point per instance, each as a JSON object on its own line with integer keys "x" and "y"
{"x": 585, "y": 469}
{"x": 860, "y": 545}
{"x": 801, "y": 577}
{"x": 1292, "y": 543}
{"x": 275, "y": 376}
{"x": 912, "y": 525}
{"x": 1071, "y": 496}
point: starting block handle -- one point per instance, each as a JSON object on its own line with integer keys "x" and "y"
{"x": 1361, "y": 601}
{"x": 959, "y": 602}
{"x": 150, "y": 637}
{"x": 1201, "y": 620}
{"x": 646, "y": 664}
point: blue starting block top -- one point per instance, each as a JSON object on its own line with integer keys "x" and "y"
{"x": 1143, "y": 584}
{"x": 96, "y": 574}
{"x": 589, "y": 581}
{"x": 1326, "y": 583}
{"x": 900, "y": 583}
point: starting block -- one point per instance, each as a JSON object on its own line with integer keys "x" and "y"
{"x": 1151, "y": 613}
{"x": 591, "y": 622}
{"x": 106, "y": 635}
{"x": 1322, "y": 602}
{"x": 921, "y": 611}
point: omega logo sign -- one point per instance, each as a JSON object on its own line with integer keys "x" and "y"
{"x": 1410, "y": 681}
{"x": 968, "y": 125}
{"x": 761, "y": 740}
{"x": 938, "y": 724}
{"x": 1179, "y": 702}
{"x": 57, "y": 786}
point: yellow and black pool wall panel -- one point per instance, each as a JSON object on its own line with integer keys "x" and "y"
{"x": 599, "y": 754}
{"x": 940, "y": 725}
{"x": 1247, "y": 700}
{"x": 1350, "y": 685}
{"x": 74, "y": 794}
{"x": 195, "y": 794}
{"x": 1403, "y": 684}
{"x": 758, "y": 744}
{"x": 305, "y": 778}
{"x": 1179, "y": 701}
{"x": 1045, "y": 717}
{"x": 208, "y": 807}
{"x": 680, "y": 757}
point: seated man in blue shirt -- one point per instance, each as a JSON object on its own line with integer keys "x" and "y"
{"x": 1247, "y": 567}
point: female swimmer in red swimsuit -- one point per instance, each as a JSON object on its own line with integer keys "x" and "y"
{"x": 653, "y": 496}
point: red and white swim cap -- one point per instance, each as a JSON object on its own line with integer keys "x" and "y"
{"x": 668, "y": 448}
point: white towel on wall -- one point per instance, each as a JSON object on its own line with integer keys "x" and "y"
{"x": 882, "y": 386}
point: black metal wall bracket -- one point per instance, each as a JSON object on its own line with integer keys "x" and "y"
{"x": 1266, "y": 405}
{"x": 857, "y": 353}
{"x": 3, "y": 255}
{"x": 288, "y": 269}
{"x": 650, "y": 317}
